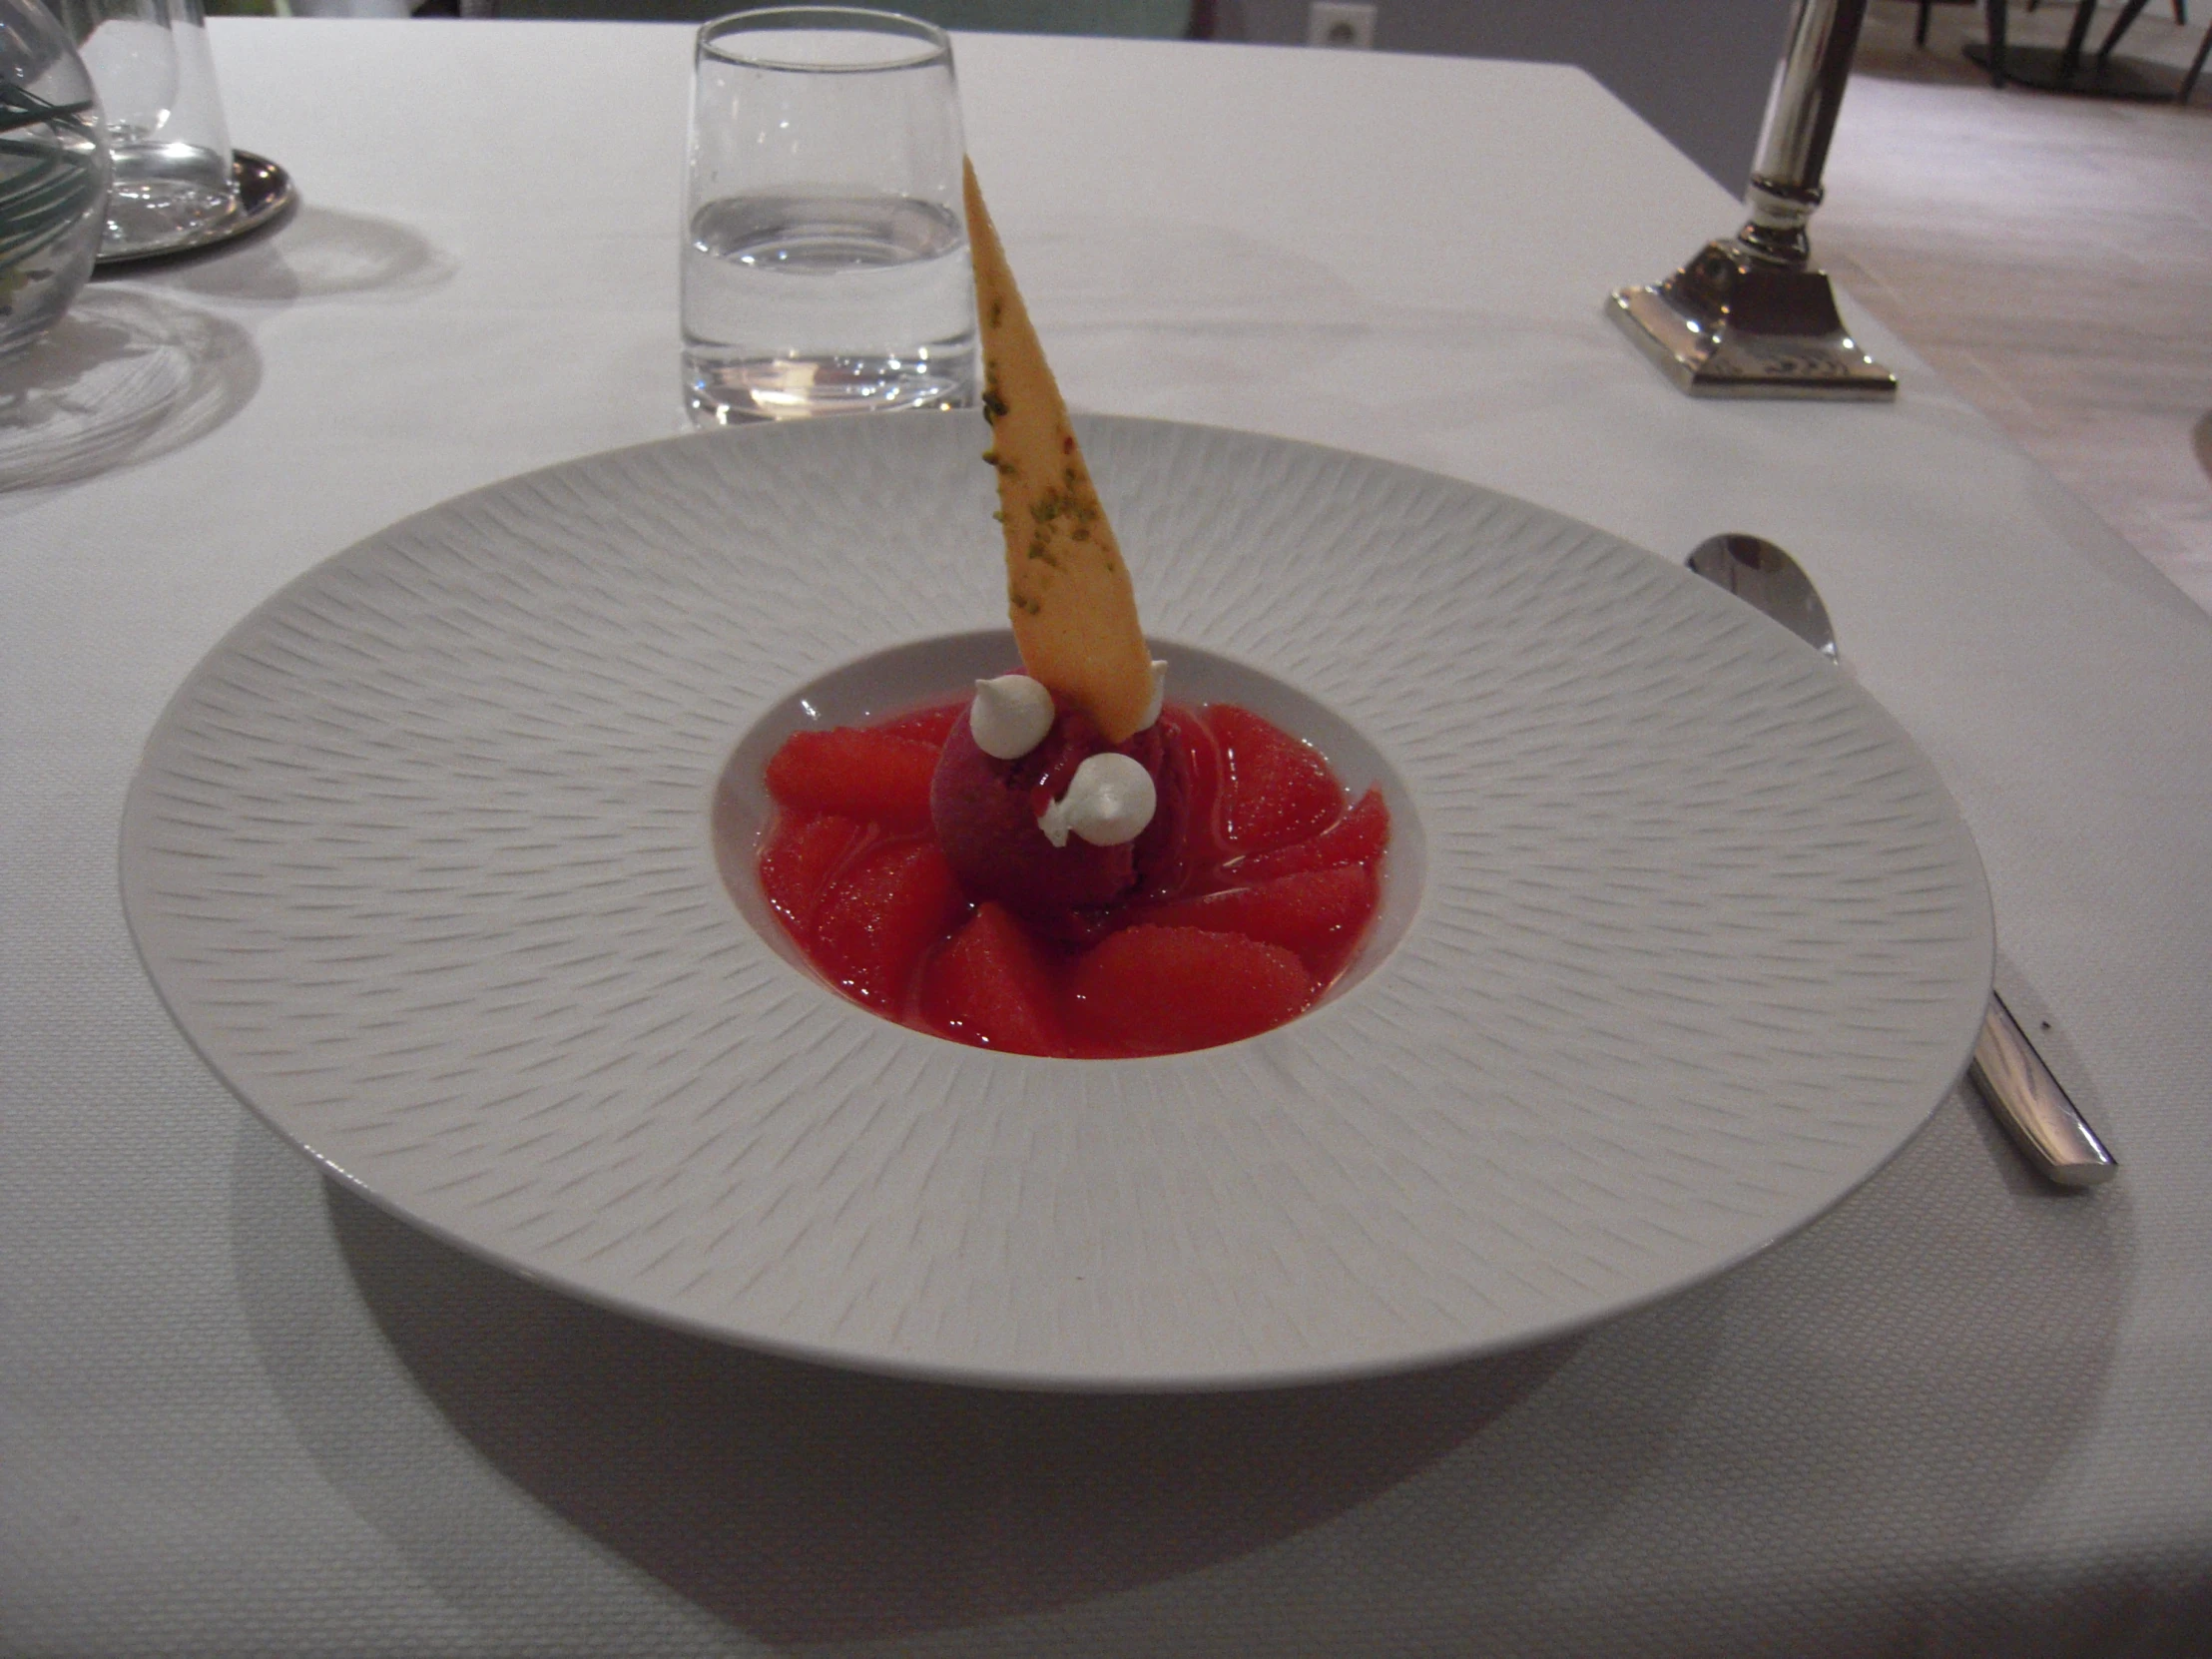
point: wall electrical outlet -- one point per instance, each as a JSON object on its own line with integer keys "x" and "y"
{"x": 1338, "y": 23}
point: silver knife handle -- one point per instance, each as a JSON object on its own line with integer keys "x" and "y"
{"x": 2032, "y": 1107}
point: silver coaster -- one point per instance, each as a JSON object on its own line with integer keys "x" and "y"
{"x": 265, "y": 190}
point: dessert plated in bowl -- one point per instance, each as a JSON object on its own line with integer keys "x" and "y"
{"x": 420, "y": 859}
{"x": 1277, "y": 876}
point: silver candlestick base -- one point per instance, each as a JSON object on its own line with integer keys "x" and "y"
{"x": 1750, "y": 316}
{"x": 1731, "y": 324}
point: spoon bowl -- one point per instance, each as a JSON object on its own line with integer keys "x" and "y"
{"x": 1771, "y": 583}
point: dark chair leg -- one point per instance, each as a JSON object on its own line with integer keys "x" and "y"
{"x": 2069, "y": 60}
{"x": 2196, "y": 68}
{"x": 1994, "y": 11}
{"x": 1919, "y": 29}
{"x": 2120, "y": 26}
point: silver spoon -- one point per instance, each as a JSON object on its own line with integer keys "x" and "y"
{"x": 2010, "y": 1076}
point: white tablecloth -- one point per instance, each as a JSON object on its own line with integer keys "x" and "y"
{"x": 243, "y": 1412}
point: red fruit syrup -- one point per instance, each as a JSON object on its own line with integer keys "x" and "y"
{"x": 1281, "y": 878}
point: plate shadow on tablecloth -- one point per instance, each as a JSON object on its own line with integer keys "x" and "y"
{"x": 124, "y": 378}
{"x": 1850, "y": 1449}
{"x": 1829, "y": 1399}
{"x": 318, "y": 254}
{"x": 806, "y": 1503}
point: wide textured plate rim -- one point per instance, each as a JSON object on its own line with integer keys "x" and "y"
{"x": 1015, "y": 1375}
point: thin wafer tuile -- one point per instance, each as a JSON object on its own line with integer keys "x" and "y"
{"x": 1068, "y": 591}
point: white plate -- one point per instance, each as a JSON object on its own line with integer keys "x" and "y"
{"x": 1684, "y": 937}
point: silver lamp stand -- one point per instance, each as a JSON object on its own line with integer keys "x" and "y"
{"x": 1750, "y": 316}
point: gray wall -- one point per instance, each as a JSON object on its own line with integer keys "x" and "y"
{"x": 1698, "y": 70}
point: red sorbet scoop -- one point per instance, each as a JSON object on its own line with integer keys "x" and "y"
{"x": 984, "y": 811}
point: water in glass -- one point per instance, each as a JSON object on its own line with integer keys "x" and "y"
{"x": 775, "y": 287}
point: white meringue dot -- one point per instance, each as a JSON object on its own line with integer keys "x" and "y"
{"x": 1010, "y": 716}
{"x": 1110, "y": 799}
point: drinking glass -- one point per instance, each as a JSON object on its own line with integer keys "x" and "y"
{"x": 826, "y": 265}
{"x": 156, "y": 78}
